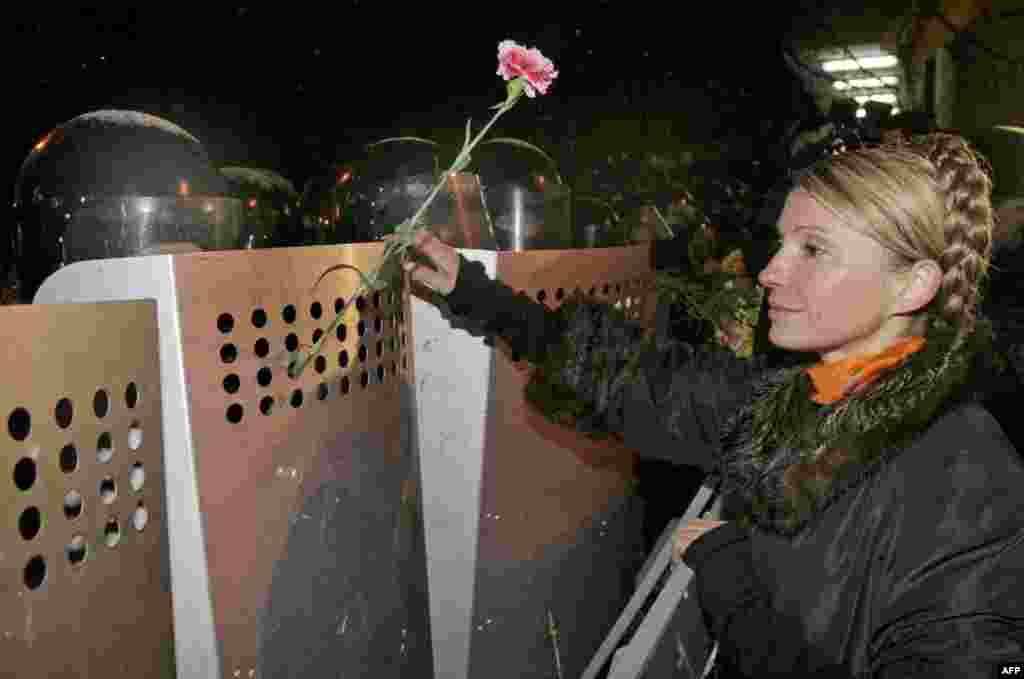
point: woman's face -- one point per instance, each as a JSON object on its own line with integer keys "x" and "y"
{"x": 829, "y": 288}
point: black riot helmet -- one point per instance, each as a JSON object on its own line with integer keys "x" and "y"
{"x": 390, "y": 181}
{"x": 117, "y": 184}
{"x": 271, "y": 205}
{"x": 325, "y": 207}
{"x": 530, "y": 205}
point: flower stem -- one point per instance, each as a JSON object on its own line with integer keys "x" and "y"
{"x": 459, "y": 159}
{"x": 397, "y": 247}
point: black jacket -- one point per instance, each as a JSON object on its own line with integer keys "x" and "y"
{"x": 916, "y": 568}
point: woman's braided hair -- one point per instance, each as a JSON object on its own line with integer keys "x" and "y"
{"x": 926, "y": 198}
{"x": 964, "y": 179}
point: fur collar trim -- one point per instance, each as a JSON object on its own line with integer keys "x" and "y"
{"x": 786, "y": 459}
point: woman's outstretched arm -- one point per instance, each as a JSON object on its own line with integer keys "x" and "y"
{"x": 595, "y": 369}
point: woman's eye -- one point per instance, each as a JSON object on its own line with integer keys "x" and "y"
{"x": 811, "y": 250}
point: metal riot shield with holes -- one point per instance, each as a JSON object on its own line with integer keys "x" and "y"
{"x": 296, "y": 528}
{"x": 84, "y": 563}
{"x": 534, "y": 532}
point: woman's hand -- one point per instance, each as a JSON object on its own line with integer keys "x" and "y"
{"x": 444, "y": 259}
{"x": 688, "y": 532}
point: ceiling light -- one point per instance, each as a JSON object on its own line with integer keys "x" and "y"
{"x": 884, "y": 98}
{"x": 873, "y": 82}
{"x": 884, "y": 61}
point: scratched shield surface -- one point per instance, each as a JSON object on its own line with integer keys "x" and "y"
{"x": 308, "y": 485}
{"x": 561, "y": 528}
{"x": 85, "y": 585}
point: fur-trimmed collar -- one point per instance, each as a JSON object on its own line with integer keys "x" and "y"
{"x": 786, "y": 459}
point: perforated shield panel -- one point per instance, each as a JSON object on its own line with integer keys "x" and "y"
{"x": 84, "y": 569}
{"x": 561, "y": 529}
{"x": 308, "y": 486}
{"x": 534, "y": 532}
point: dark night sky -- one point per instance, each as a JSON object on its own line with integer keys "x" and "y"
{"x": 264, "y": 87}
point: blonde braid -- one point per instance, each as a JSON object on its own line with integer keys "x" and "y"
{"x": 963, "y": 177}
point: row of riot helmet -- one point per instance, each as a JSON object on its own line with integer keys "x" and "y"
{"x": 270, "y": 203}
{"x": 115, "y": 183}
{"x": 512, "y": 198}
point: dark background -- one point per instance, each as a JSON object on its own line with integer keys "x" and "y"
{"x": 292, "y": 89}
{"x": 295, "y": 88}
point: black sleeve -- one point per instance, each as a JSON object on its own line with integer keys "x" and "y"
{"x": 529, "y": 327}
{"x": 753, "y": 639}
{"x": 596, "y": 370}
{"x": 954, "y": 597}
{"x": 935, "y": 641}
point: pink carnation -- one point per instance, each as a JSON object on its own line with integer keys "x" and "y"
{"x": 536, "y": 70}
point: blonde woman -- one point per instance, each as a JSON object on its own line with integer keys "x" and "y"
{"x": 874, "y": 522}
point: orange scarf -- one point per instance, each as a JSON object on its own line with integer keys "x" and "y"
{"x": 834, "y": 381}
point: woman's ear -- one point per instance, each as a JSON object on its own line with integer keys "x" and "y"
{"x": 918, "y": 286}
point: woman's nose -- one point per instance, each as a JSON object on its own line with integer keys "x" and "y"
{"x": 771, "y": 275}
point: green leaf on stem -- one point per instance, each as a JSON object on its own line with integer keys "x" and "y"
{"x": 297, "y": 365}
{"x": 389, "y": 140}
{"x": 338, "y": 267}
{"x": 512, "y": 141}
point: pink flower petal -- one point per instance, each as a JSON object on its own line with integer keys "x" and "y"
{"x": 516, "y": 61}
